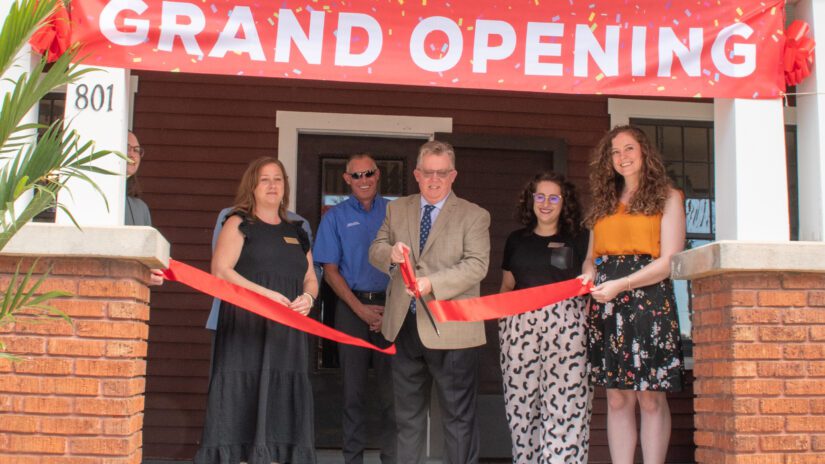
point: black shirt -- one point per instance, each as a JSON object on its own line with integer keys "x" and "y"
{"x": 535, "y": 260}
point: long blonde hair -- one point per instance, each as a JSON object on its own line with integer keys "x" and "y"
{"x": 606, "y": 184}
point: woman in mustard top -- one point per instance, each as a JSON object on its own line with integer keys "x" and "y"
{"x": 637, "y": 222}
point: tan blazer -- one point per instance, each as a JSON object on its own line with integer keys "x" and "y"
{"x": 455, "y": 259}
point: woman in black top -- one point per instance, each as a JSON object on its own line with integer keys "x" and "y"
{"x": 259, "y": 409}
{"x": 543, "y": 352}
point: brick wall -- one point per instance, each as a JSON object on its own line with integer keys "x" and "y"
{"x": 759, "y": 347}
{"x": 77, "y": 396}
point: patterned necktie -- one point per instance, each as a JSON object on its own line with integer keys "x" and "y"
{"x": 426, "y": 225}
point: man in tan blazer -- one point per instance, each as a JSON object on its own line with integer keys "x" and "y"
{"x": 449, "y": 245}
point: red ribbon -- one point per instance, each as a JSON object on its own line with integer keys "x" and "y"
{"x": 408, "y": 274}
{"x": 54, "y": 36}
{"x": 799, "y": 53}
{"x": 259, "y": 304}
{"x": 508, "y": 303}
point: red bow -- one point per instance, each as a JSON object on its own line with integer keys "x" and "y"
{"x": 799, "y": 53}
{"x": 54, "y": 36}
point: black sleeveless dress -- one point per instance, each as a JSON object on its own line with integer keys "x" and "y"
{"x": 259, "y": 408}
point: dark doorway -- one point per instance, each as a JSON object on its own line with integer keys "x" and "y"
{"x": 321, "y": 161}
{"x": 492, "y": 172}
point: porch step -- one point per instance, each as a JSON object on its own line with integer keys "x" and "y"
{"x": 326, "y": 456}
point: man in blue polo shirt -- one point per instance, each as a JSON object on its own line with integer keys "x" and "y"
{"x": 342, "y": 245}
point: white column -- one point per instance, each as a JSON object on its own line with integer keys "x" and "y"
{"x": 750, "y": 170}
{"x": 811, "y": 131}
{"x": 97, "y": 107}
{"x": 23, "y": 63}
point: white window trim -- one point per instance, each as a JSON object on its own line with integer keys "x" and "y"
{"x": 621, "y": 110}
{"x": 292, "y": 123}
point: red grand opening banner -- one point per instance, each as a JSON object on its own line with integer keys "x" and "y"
{"x": 696, "y": 48}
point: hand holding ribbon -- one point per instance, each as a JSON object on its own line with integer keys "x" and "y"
{"x": 408, "y": 275}
{"x": 259, "y": 304}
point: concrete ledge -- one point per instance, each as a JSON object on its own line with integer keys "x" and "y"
{"x": 735, "y": 256}
{"x": 144, "y": 244}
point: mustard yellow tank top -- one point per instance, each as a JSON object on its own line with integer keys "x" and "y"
{"x": 627, "y": 234}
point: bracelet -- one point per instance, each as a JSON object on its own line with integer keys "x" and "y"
{"x": 311, "y": 298}
{"x": 627, "y": 284}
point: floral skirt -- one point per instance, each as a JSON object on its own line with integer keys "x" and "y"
{"x": 634, "y": 340}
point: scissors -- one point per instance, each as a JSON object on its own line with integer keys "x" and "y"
{"x": 409, "y": 279}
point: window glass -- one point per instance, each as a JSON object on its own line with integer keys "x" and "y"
{"x": 688, "y": 153}
{"x": 49, "y": 109}
{"x": 697, "y": 179}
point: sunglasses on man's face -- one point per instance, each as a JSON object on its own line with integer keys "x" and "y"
{"x": 358, "y": 175}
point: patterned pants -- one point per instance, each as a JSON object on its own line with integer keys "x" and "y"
{"x": 547, "y": 395}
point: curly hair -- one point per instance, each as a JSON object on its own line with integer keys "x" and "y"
{"x": 570, "y": 217}
{"x": 606, "y": 184}
{"x": 245, "y": 198}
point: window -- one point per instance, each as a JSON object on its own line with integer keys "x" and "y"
{"x": 687, "y": 148}
{"x": 50, "y": 109}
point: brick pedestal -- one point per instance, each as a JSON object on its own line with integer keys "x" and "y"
{"x": 77, "y": 396}
{"x": 759, "y": 353}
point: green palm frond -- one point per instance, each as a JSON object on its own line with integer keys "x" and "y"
{"x": 42, "y": 168}
{"x": 29, "y": 89}
{"x": 46, "y": 166}
{"x": 17, "y": 297}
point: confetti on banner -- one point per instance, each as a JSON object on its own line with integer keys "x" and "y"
{"x": 438, "y": 43}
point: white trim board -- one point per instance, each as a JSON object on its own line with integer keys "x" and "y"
{"x": 622, "y": 109}
{"x": 292, "y": 123}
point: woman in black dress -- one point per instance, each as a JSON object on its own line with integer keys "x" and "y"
{"x": 543, "y": 352}
{"x": 259, "y": 408}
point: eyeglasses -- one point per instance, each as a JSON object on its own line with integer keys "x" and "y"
{"x": 541, "y": 198}
{"x": 135, "y": 149}
{"x": 358, "y": 175}
{"x": 442, "y": 174}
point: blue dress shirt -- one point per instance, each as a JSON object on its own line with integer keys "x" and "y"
{"x": 344, "y": 239}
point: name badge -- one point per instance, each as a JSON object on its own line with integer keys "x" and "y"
{"x": 291, "y": 240}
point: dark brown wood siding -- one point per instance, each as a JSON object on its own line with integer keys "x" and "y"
{"x": 200, "y": 132}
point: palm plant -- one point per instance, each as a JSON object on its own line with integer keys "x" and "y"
{"x": 41, "y": 168}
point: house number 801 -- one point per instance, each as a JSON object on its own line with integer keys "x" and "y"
{"x": 98, "y": 98}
